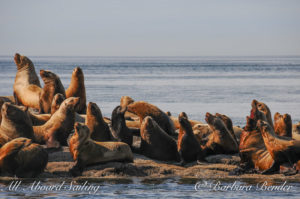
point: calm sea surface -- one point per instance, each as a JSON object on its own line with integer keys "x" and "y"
{"x": 195, "y": 85}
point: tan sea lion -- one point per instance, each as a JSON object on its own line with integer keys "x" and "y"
{"x": 52, "y": 86}
{"x": 143, "y": 109}
{"x": 283, "y": 124}
{"x": 94, "y": 121}
{"x": 85, "y": 151}
{"x": 202, "y": 132}
{"x": 23, "y": 158}
{"x": 156, "y": 143}
{"x": 296, "y": 131}
{"x": 15, "y": 122}
{"x": 77, "y": 89}
{"x": 124, "y": 102}
{"x": 188, "y": 147}
{"x": 57, "y": 129}
{"x": 119, "y": 131}
{"x": 27, "y": 87}
{"x": 252, "y": 149}
{"x": 282, "y": 149}
{"x": 220, "y": 140}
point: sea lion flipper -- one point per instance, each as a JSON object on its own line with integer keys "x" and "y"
{"x": 77, "y": 169}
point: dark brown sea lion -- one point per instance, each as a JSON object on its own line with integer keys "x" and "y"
{"x": 283, "y": 124}
{"x": 296, "y": 131}
{"x": 85, "y": 151}
{"x": 56, "y": 102}
{"x": 52, "y": 86}
{"x": 156, "y": 143}
{"x": 119, "y": 130}
{"x": 27, "y": 87}
{"x": 15, "y": 122}
{"x": 220, "y": 140}
{"x": 282, "y": 149}
{"x": 143, "y": 109}
{"x": 94, "y": 121}
{"x": 23, "y": 158}
{"x": 227, "y": 121}
{"x": 187, "y": 145}
{"x": 77, "y": 89}
{"x": 252, "y": 149}
{"x": 57, "y": 129}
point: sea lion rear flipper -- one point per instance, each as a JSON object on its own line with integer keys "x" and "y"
{"x": 274, "y": 168}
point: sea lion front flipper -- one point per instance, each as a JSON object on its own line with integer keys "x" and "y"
{"x": 274, "y": 168}
{"x": 77, "y": 169}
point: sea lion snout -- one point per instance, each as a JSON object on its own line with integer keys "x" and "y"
{"x": 182, "y": 117}
{"x": 17, "y": 58}
{"x": 209, "y": 117}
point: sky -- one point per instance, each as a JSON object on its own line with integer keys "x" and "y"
{"x": 150, "y": 28}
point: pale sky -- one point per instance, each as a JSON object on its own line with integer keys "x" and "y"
{"x": 150, "y": 28}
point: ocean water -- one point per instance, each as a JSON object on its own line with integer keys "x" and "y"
{"x": 195, "y": 85}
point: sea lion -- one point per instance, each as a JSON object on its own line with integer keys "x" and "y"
{"x": 143, "y": 109}
{"x": 282, "y": 149}
{"x": 177, "y": 123}
{"x": 118, "y": 128}
{"x": 77, "y": 89}
{"x": 56, "y": 102}
{"x": 27, "y": 87}
{"x": 252, "y": 149}
{"x": 23, "y": 158}
{"x": 187, "y": 145}
{"x": 38, "y": 119}
{"x": 52, "y": 86}
{"x": 85, "y": 151}
{"x": 156, "y": 143}
{"x": 124, "y": 102}
{"x": 94, "y": 121}
{"x": 220, "y": 140}
{"x": 296, "y": 131}
{"x": 202, "y": 132}
{"x": 227, "y": 121}
{"x": 15, "y": 122}
{"x": 4, "y": 139}
{"x": 262, "y": 107}
{"x": 10, "y": 99}
{"x": 57, "y": 129}
{"x": 283, "y": 124}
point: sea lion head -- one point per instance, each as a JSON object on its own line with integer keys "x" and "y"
{"x": 77, "y": 73}
{"x": 22, "y": 61}
{"x": 214, "y": 122}
{"x": 48, "y": 76}
{"x": 82, "y": 131}
{"x": 256, "y": 114}
{"x": 148, "y": 124}
{"x": 70, "y": 103}
{"x": 283, "y": 124}
{"x": 118, "y": 112}
{"x": 226, "y": 120}
{"x": 262, "y": 107}
{"x": 15, "y": 114}
{"x": 250, "y": 125}
{"x": 264, "y": 127}
{"x": 184, "y": 122}
{"x": 56, "y": 102}
{"x": 94, "y": 110}
{"x": 125, "y": 101}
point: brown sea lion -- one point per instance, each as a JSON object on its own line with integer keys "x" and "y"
{"x": 27, "y": 87}
{"x": 296, "y": 131}
{"x": 85, "y": 151}
{"x": 57, "y": 129}
{"x": 202, "y": 132}
{"x": 252, "y": 149}
{"x": 143, "y": 109}
{"x": 283, "y": 124}
{"x": 77, "y": 89}
{"x": 94, "y": 121}
{"x": 15, "y": 122}
{"x": 118, "y": 129}
{"x": 52, "y": 86}
{"x": 187, "y": 145}
{"x": 124, "y": 102}
{"x": 282, "y": 149}
{"x": 23, "y": 158}
{"x": 156, "y": 143}
{"x": 38, "y": 119}
{"x": 177, "y": 123}
{"x": 10, "y": 99}
{"x": 227, "y": 121}
{"x": 262, "y": 107}
{"x": 56, "y": 102}
{"x": 220, "y": 140}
